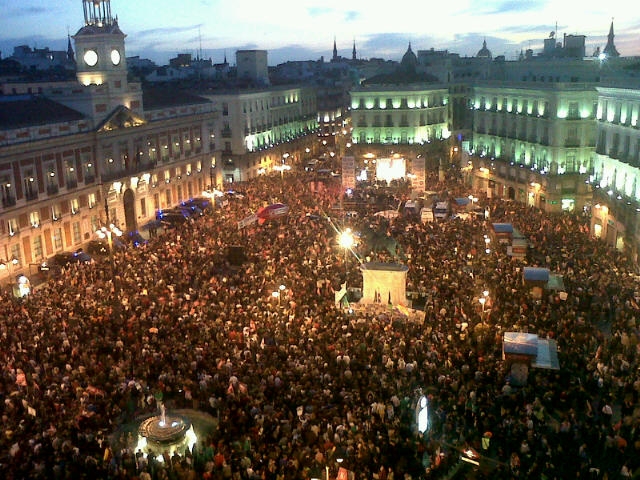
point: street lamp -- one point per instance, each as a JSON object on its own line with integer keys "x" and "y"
{"x": 483, "y": 300}
{"x": 346, "y": 241}
{"x": 108, "y": 233}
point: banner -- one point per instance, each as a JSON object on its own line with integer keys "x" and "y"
{"x": 418, "y": 181}
{"x": 245, "y": 222}
{"x": 348, "y": 172}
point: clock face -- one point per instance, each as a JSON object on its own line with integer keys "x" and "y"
{"x": 115, "y": 56}
{"x": 90, "y": 57}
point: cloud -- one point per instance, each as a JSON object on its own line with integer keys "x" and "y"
{"x": 318, "y": 11}
{"x": 508, "y": 6}
{"x": 352, "y": 16}
{"x": 152, "y": 32}
{"x": 7, "y": 44}
{"x": 295, "y": 52}
{"x": 26, "y": 11}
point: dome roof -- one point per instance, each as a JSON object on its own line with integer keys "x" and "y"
{"x": 484, "y": 52}
{"x": 409, "y": 59}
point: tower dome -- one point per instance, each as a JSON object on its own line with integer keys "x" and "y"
{"x": 409, "y": 59}
{"x": 484, "y": 52}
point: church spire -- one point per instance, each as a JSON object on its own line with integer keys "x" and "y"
{"x": 353, "y": 53}
{"x": 70, "y": 52}
{"x": 335, "y": 49}
{"x": 610, "y": 49}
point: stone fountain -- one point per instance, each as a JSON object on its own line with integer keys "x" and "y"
{"x": 165, "y": 433}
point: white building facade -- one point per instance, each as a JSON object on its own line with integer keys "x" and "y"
{"x": 616, "y": 167}
{"x": 533, "y": 142}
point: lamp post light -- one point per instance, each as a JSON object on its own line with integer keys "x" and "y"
{"x": 483, "y": 300}
{"x": 108, "y": 233}
{"x": 346, "y": 241}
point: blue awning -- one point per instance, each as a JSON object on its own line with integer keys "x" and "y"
{"x": 536, "y": 274}
{"x": 502, "y": 227}
{"x": 520, "y": 343}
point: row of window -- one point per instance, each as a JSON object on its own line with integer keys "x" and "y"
{"x": 619, "y": 112}
{"x": 77, "y": 235}
{"x": 262, "y": 104}
{"x": 619, "y": 146}
{"x": 429, "y": 118}
{"x": 398, "y": 103}
{"x": 396, "y": 137}
{"x": 538, "y": 108}
{"x": 536, "y": 158}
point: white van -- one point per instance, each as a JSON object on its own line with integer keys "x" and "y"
{"x": 441, "y": 210}
{"x": 426, "y": 215}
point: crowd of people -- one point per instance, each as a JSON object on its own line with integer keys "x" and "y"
{"x": 296, "y": 382}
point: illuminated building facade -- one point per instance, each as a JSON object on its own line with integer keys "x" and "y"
{"x": 75, "y": 156}
{"x": 533, "y": 142}
{"x": 258, "y": 128}
{"x": 616, "y": 167}
{"x": 399, "y": 115}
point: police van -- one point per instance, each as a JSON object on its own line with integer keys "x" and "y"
{"x": 442, "y": 210}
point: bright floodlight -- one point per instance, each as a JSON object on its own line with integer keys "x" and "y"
{"x": 346, "y": 239}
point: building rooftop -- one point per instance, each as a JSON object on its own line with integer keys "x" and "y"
{"x": 28, "y": 110}
{"x": 163, "y": 97}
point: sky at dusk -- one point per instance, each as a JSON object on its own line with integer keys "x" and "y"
{"x": 305, "y": 30}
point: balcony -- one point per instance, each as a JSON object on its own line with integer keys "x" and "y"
{"x": 226, "y": 133}
{"x": 572, "y": 142}
{"x": 31, "y": 195}
{"x": 113, "y": 175}
{"x": 8, "y": 201}
{"x": 52, "y": 189}
{"x": 89, "y": 179}
{"x": 72, "y": 183}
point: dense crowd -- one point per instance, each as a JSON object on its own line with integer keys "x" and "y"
{"x": 296, "y": 382}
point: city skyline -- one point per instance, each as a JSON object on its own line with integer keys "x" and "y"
{"x": 305, "y": 31}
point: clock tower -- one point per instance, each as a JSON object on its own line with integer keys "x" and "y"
{"x": 100, "y": 58}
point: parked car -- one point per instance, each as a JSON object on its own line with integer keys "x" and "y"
{"x": 134, "y": 238}
{"x": 197, "y": 204}
{"x": 63, "y": 259}
{"x": 234, "y": 194}
{"x": 172, "y": 219}
{"x": 101, "y": 247}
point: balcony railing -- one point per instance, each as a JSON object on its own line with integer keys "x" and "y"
{"x": 114, "y": 175}
{"x": 8, "y": 201}
{"x": 31, "y": 195}
{"x": 52, "y": 189}
{"x": 72, "y": 183}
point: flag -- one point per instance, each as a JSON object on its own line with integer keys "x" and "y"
{"x": 343, "y": 474}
